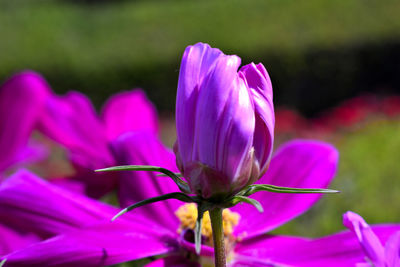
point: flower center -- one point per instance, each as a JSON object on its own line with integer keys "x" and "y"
{"x": 187, "y": 215}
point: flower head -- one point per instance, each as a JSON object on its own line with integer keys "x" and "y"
{"x": 82, "y": 235}
{"x": 225, "y": 121}
{"x": 27, "y": 103}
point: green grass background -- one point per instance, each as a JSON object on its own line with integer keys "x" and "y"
{"x": 115, "y": 45}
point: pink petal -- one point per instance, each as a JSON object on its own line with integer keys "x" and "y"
{"x": 101, "y": 245}
{"x": 12, "y": 240}
{"x": 392, "y": 250}
{"x": 173, "y": 261}
{"x": 30, "y": 153}
{"x": 367, "y": 238}
{"x": 337, "y": 250}
{"x": 72, "y": 121}
{"x": 69, "y": 184}
{"x": 129, "y": 111}
{"x": 342, "y": 249}
{"x": 96, "y": 184}
{"x": 266, "y": 250}
{"x": 300, "y": 163}
{"x": 32, "y": 204}
{"x": 143, "y": 148}
{"x": 22, "y": 99}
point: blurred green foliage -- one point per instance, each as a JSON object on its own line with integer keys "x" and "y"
{"x": 104, "y": 47}
{"x": 368, "y": 178}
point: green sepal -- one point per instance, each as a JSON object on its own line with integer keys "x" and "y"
{"x": 164, "y": 175}
{"x": 3, "y": 262}
{"x": 183, "y": 186}
{"x": 251, "y": 189}
{"x": 197, "y": 228}
{"x": 177, "y": 195}
{"x": 236, "y": 199}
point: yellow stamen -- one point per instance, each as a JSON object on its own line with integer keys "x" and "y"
{"x": 187, "y": 215}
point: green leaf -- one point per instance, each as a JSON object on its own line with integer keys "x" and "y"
{"x": 281, "y": 189}
{"x": 2, "y": 262}
{"x": 177, "y": 195}
{"x": 197, "y": 228}
{"x": 183, "y": 186}
{"x": 236, "y": 199}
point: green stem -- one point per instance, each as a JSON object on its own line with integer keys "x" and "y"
{"x": 218, "y": 236}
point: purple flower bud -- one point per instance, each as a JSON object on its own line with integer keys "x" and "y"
{"x": 224, "y": 120}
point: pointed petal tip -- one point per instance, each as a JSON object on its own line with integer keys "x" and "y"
{"x": 350, "y": 218}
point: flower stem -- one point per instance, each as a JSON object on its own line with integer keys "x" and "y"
{"x": 218, "y": 236}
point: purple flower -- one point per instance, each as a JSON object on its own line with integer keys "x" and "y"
{"x": 22, "y": 99}
{"x": 71, "y": 121}
{"x": 80, "y": 233}
{"x": 224, "y": 120}
{"x": 27, "y": 103}
{"x": 377, "y": 254}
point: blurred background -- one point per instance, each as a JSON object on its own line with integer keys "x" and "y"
{"x": 335, "y": 68}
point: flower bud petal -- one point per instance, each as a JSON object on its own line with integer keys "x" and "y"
{"x": 224, "y": 135}
{"x": 196, "y": 62}
{"x": 260, "y": 87}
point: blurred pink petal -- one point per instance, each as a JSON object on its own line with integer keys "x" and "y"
{"x": 22, "y": 99}
{"x": 392, "y": 250}
{"x": 72, "y": 121}
{"x": 102, "y": 245}
{"x": 266, "y": 250}
{"x": 12, "y": 240}
{"x": 128, "y": 112}
{"x": 30, "y": 153}
{"x": 173, "y": 261}
{"x": 143, "y": 148}
{"x": 28, "y": 202}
